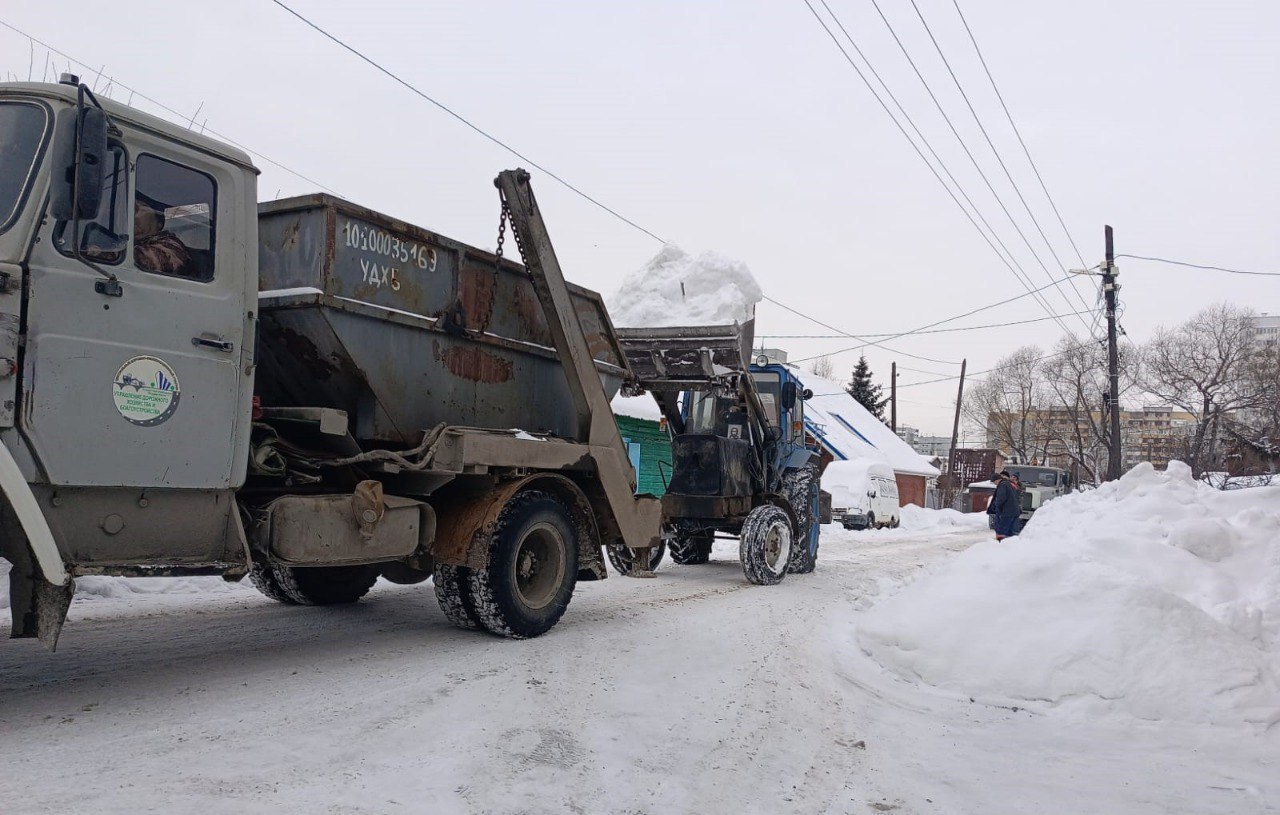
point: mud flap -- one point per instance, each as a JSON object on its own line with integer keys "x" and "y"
{"x": 39, "y": 607}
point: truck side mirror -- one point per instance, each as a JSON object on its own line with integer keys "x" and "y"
{"x": 788, "y": 394}
{"x": 79, "y": 162}
{"x": 806, "y": 394}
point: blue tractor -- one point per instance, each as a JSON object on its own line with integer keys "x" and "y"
{"x": 741, "y": 461}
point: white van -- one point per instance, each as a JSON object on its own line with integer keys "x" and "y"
{"x": 864, "y": 493}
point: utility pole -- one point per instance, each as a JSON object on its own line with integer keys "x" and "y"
{"x": 1109, "y": 289}
{"x": 893, "y": 397}
{"x": 953, "y": 478}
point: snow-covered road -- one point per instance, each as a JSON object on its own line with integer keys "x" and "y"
{"x": 693, "y": 692}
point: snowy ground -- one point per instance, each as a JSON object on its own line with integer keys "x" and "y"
{"x": 693, "y": 692}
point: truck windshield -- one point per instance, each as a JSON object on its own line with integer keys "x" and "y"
{"x": 22, "y": 137}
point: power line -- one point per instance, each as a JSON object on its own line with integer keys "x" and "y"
{"x": 459, "y": 117}
{"x": 969, "y": 153}
{"x": 1018, "y": 133}
{"x": 1021, "y": 277}
{"x": 925, "y": 141}
{"x": 926, "y": 331}
{"x": 919, "y": 330}
{"x": 1198, "y": 266}
{"x": 999, "y": 159}
{"x": 1090, "y": 341}
{"x": 964, "y": 146}
{"x": 1020, "y": 273}
{"x": 864, "y": 341}
{"x": 181, "y": 116}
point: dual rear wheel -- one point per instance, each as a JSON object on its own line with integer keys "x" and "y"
{"x": 532, "y": 571}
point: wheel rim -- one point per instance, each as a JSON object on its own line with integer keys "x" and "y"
{"x": 539, "y": 565}
{"x": 777, "y": 546}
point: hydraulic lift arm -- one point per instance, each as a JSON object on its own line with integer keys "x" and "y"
{"x": 638, "y": 518}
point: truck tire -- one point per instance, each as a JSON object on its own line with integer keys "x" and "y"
{"x": 532, "y": 570}
{"x": 453, "y": 593}
{"x": 623, "y": 558}
{"x": 765, "y": 545}
{"x": 801, "y": 489}
{"x": 264, "y": 580}
{"x": 313, "y": 585}
{"x": 692, "y": 548}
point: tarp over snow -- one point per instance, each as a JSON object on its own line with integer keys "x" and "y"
{"x": 849, "y": 431}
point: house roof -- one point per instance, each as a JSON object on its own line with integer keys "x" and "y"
{"x": 848, "y": 430}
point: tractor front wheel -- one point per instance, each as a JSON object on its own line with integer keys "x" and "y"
{"x": 765, "y": 545}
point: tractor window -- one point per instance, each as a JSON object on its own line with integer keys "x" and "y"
{"x": 103, "y": 239}
{"x": 702, "y": 413}
{"x": 769, "y": 387}
{"x": 23, "y": 128}
{"x": 173, "y": 219}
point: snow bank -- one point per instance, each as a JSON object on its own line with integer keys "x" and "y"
{"x": 1154, "y": 596}
{"x": 676, "y": 288}
{"x": 918, "y": 519}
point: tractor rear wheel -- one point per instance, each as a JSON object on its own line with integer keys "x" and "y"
{"x": 692, "y": 548}
{"x": 624, "y": 558}
{"x": 801, "y": 489}
{"x": 765, "y": 545}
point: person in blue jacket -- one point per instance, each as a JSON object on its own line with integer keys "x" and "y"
{"x": 1006, "y": 506}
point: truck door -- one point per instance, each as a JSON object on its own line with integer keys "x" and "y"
{"x": 145, "y": 389}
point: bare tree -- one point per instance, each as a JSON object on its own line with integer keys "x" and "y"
{"x": 823, "y": 367}
{"x": 1075, "y": 376}
{"x": 1009, "y": 402}
{"x": 1206, "y": 367}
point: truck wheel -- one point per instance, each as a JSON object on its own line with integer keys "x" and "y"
{"x": 801, "y": 489}
{"x": 316, "y": 585}
{"x": 264, "y": 580}
{"x": 533, "y": 567}
{"x": 765, "y": 545}
{"x": 623, "y": 558}
{"x": 692, "y": 548}
{"x": 453, "y": 593}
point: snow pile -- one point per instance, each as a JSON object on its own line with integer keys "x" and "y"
{"x": 1154, "y": 595}
{"x": 918, "y": 519}
{"x": 676, "y": 288}
{"x": 89, "y": 588}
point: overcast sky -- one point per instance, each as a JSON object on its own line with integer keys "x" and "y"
{"x": 738, "y": 127}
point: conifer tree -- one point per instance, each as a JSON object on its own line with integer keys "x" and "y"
{"x": 865, "y": 391}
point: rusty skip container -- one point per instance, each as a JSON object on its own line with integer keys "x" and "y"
{"x": 405, "y": 329}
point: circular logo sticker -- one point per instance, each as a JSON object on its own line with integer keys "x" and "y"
{"x": 146, "y": 391}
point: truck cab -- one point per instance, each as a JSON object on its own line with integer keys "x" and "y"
{"x": 1039, "y": 486}
{"x": 126, "y": 328}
